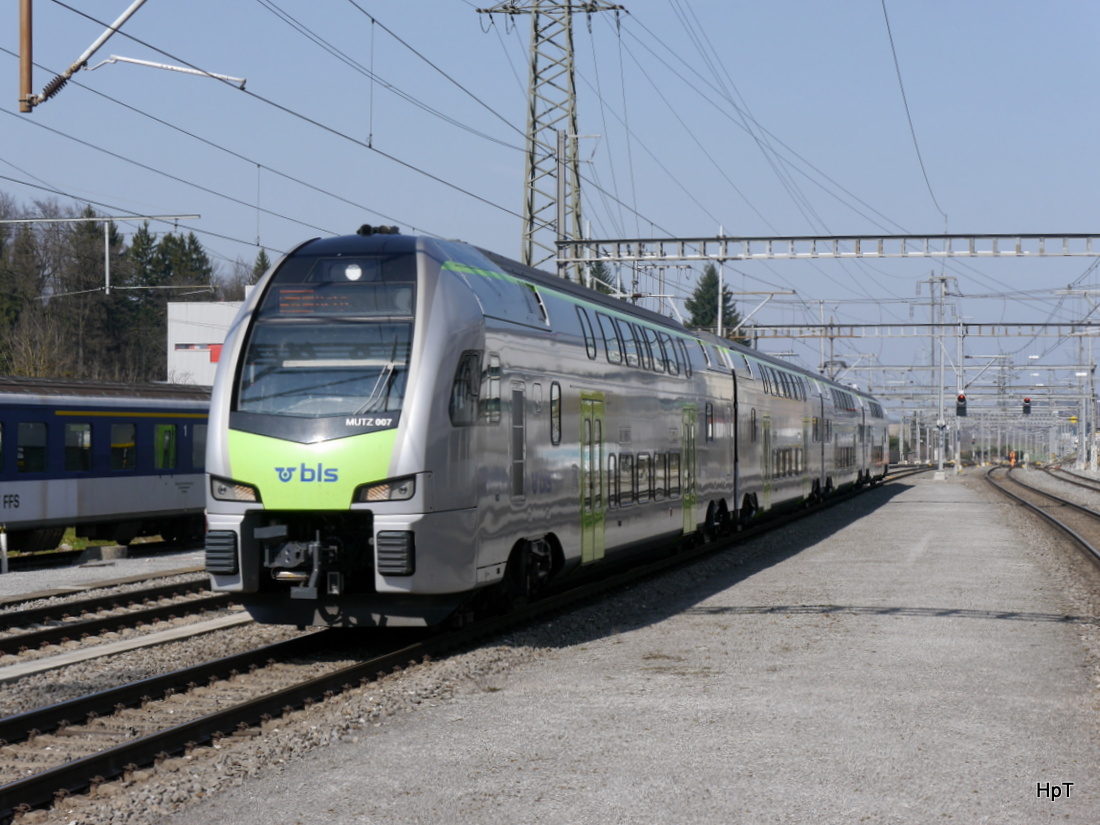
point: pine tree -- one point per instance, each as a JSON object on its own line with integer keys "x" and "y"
{"x": 703, "y": 305}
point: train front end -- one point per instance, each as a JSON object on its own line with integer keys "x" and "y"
{"x": 320, "y": 505}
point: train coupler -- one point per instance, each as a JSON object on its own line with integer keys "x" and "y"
{"x": 298, "y": 563}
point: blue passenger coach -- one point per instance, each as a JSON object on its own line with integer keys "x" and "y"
{"x": 115, "y": 461}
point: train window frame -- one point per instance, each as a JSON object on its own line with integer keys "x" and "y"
{"x": 24, "y": 431}
{"x": 519, "y": 440}
{"x": 645, "y": 351}
{"x": 643, "y": 475}
{"x": 82, "y": 450}
{"x": 631, "y": 355}
{"x": 625, "y": 485}
{"x": 465, "y": 389}
{"x": 656, "y": 349}
{"x": 673, "y": 477}
{"x": 490, "y": 378}
{"x": 198, "y": 446}
{"x": 587, "y": 333}
{"x": 612, "y": 481}
{"x": 165, "y": 450}
{"x": 612, "y": 345}
{"x": 660, "y": 476}
{"x": 124, "y": 460}
{"x": 555, "y": 413}
{"x": 672, "y": 357}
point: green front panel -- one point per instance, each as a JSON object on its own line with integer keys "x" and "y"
{"x": 593, "y": 506}
{"x": 293, "y": 476}
{"x": 688, "y": 448}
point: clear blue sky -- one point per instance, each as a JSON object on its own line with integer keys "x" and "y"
{"x": 775, "y": 118}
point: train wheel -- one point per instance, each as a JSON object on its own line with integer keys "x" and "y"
{"x": 528, "y": 572}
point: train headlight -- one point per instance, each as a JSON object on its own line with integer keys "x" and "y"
{"x": 396, "y": 489}
{"x": 224, "y": 490}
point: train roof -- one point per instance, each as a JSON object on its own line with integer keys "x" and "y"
{"x": 21, "y": 388}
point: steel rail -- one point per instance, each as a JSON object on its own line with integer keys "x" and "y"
{"x": 70, "y": 631}
{"x": 1090, "y": 550}
{"x": 79, "y": 607}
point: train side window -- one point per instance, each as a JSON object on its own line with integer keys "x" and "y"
{"x": 752, "y": 425}
{"x": 464, "y": 390}
{"x": 672, "y": 362}
{"x": 630, "y": 345}
{"x": 644, "y": 476}
{"x": 164, "y": 447}
{"x": 490, "y": 399}
{"x": 626, "y": 480}
{"x": 123, "y": 447}
{"x": 586, "y": 331}
{"x": 555, "y": 413}
{"x": 710, "y": 422}
{"x": 31, "y": 447}
{"x": 653, "y": 344}
{"x": 612, "y": 482}
{"x": 673, "y": 475}
{"x": 78, "y": 447}
{"x": 686, "y": 356}
{"x": 611, "y": 343}
{"x": 644, "y": 351}
{"x": 198, "y": 447}
{"x": 816, "y": 429}
{"x": 660, "y": 475}
{"x": 519, "y": 441}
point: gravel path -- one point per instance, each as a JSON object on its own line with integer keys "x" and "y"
{"x": 921, "y": 654}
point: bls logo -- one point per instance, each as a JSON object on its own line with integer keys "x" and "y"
{"x": 307, "y": 474}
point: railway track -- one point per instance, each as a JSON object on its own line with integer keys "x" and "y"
{"x": 1079, "y": 523}
{"x": 51, "y": 752}
{"x": 22, "y": 630}
{"x": 1076, "y": 479}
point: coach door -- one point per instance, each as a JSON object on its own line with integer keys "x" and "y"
{"x": 690, "y": 496}
{"x": 593, "y": 505}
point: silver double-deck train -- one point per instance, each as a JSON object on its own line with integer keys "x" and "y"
{"x": 402, "y": 426}
{"x": 114, "y": 461}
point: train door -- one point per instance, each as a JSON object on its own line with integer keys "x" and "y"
{"x": 592, "y": 482}
{"x": 688, "y": 447}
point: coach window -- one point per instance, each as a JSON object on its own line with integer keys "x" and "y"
{"x": 164, "y": 446}
{"x": 660, "y": 475}
{"x": 555, "y": 413}
{"x": 490, "y": 399}
{"x": 752, "y": 425}
{"x": 630, "y": 345}
{"x": 198, "y": 447}
{"x": 645, "y": 354}
{"x": 612, "y": 482}
{"x": 123, "y": 447}
{"x": 626, "y": 479}
{"x": 464, "y": 389}
{"x": 610, "y": 339}
{"x": 672, "y": 362}
{"x": 644, "y": 471}
{"x": 687, "y": 357}
{"x": 586, "y": 331}
{"x": 78, "y": 447}
{"x": 31, "y": 447}
{"x": 710, "y": 422}
{"x": 673, "y": 475}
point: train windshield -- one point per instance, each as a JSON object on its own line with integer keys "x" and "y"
{"x": 332, "y": 337}
{"x": 312, "y": 370}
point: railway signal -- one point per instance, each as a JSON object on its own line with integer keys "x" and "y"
{"x": 960, "y": 405}
{"x": 1027, "y": 406}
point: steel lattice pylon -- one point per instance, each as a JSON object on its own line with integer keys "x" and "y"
{"x": 550, "y": 210}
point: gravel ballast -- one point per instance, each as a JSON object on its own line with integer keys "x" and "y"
{"x": 924, "y": 653}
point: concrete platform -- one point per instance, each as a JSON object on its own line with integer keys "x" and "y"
{"x": 919, "y": 655}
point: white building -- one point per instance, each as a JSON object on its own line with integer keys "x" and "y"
{"x": 196, "y": 332}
